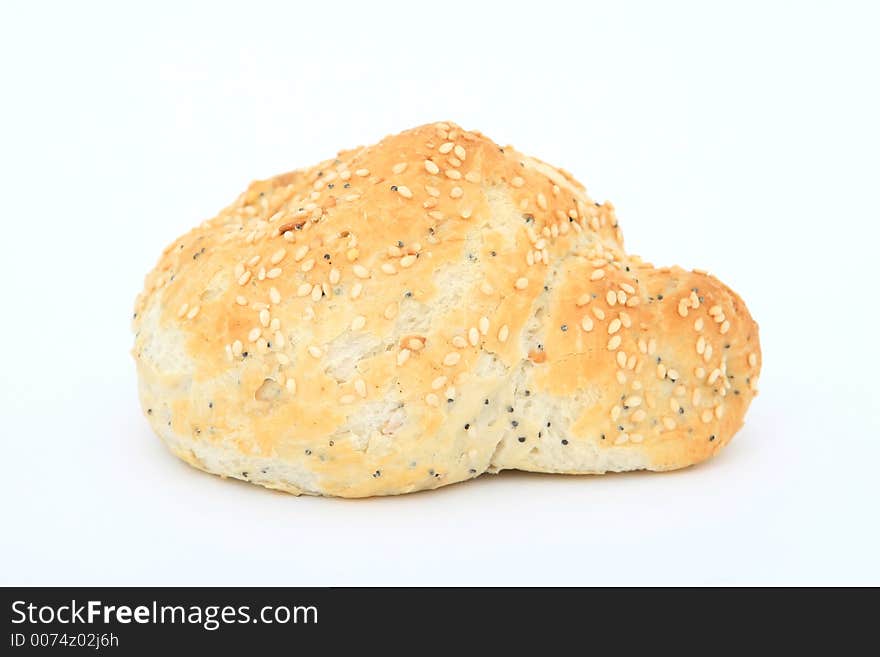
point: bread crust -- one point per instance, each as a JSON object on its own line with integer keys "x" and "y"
{"x": 418, "y": 312}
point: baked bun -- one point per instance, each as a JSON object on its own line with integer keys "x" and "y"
{"x": 418, "y": 312}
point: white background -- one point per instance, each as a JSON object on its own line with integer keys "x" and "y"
{"x": 739, "y": 138}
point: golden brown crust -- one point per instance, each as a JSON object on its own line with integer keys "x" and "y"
{"x": 661, "y": 363}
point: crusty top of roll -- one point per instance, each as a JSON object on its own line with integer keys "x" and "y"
{"x": 374, "y": 301}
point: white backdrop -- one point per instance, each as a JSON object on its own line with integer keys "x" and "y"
{"x": 742, "y": 139}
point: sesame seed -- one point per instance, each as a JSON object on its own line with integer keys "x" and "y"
{"x": 358, "y": 323}
{"x": 241, "y": 301}
{"x": 615, "y": 413}
{"x": 672, "y": 374}
{"x": 431, "y": 168}
{"x": 404, "y": 191}
{"x": 432, "y": 400}
{"x": 597, "y": 274}
{"x": 614, "y": 326}
{"x": 244, "y": 278}
{"x": 486, "y": 288}
{"x": 304, "y": 289}
{"x": 661, "y": 371}
{"x": 282, "y": 359}
{"x": 453, "y": 174}
{"x": 611, "y": 298}
{"x": 317, "y": 292}
{"x": 701, "y": 345}
{"x": 360, "y": 271}
{"x": 517, "y": 182}
{"x": 707, "y": 416}
{"x": 614, "y": 343}
{"x": 542, "y": 201}
{"x": 400, "y": 167}
{"x": 459, "y": 342}
{"x": 625, "y": 320}
{"x": 346, "y": 399}
{"x": 715, "y": 310}
{"x": 264, "y": 317}
{"x": 363, "y": 173}
{"x": 521, "y": 283}
{"x": 291, "y": 386}
{"x": 713, "y": 376}
{"x": 753, "y": 359}
{"x": 278, "y": 256}
{"x": 484, "y": 325}
{"x": 360, "y": 387}
{"x": 473, "y": 336}
{"x": 587, "y": 324}
{"x": 503, "y": 332}
{"x": 274, "y": 295}
{"x": 254, "y": 334}
{"x": 183, "y": 309}
{"x": 300, "y": 253}
{"x": 403, "y": 356}
{"x": 237, "y": 347}
{"x": 356, "y": 290}
{"x": 633, "y": 401}
{"x": 707, "y": 355}
{"x": 445, "y": 148}
{"x": 472, "y": 177}
{"x": 621, "y": 377}
{"x": 460, "y": 153}
{"x": 466, "y": 213}
{"x": 622, "y": 438}
{"x": 438, "y": 383}
{"x": 583, "y": 300}
{"x": 456, "y": 192}
{"x": 725, "y": 327}
{"x": 390, "y": 311}
{"x": 668, "y": 422}
{"x": 636, "y": 437}
{"x": 314, "y": 351}
{"x": 639, "y": 415}
{"x": 698, "y": 324}
{"x": 599, "y": 313}
{"x": 334, "y": 276}
{"x": 432, "y": 191}
{"x": 700, "y": 373}
{"x": 193, "y": 312}
{"x": 621, "y": 358}
{"x": 388, "y": 268}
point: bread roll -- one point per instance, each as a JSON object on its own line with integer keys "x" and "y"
{"x": 418, "y": 312}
